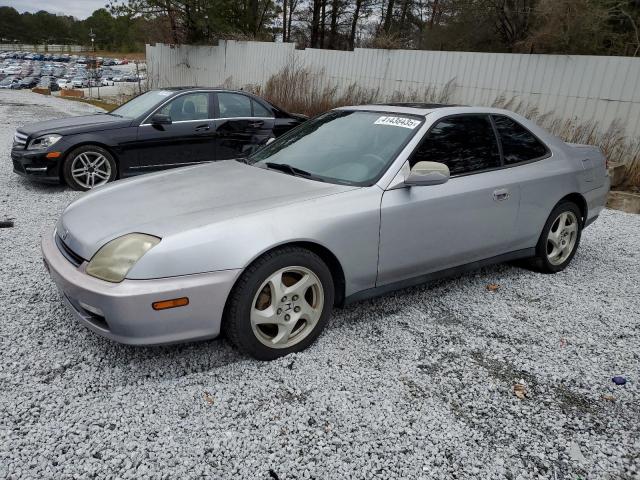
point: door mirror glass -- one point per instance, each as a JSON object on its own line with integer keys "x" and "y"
{"x": 161, "y": 119}
{"x": 427, "y": 173}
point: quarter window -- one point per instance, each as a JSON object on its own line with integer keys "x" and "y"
{"x": 518, "y": 144}
{"x": 234, "y": 105}
{"x": 190, "y": 106}
{"x": 465, "y": 143}
{"x": 260, "y": 111}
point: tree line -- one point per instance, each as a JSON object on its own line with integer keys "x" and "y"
{"x": 119, "y": 33}
{"x": 598, "y": 27}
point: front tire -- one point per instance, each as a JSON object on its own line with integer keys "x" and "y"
{"x": 280, "y": 304}
{"x": 89, "y": 166}
{"x": 559, "y": 239}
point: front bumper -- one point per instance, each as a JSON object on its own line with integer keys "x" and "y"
{"x": 122, "y": 311}
{"x": 35, "y": 165}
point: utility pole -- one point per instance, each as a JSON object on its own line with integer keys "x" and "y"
{"x": 93, "y": 65}
{"x": 138, "y": 78}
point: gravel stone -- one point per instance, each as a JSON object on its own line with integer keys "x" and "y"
{"x": 416, "y": 384}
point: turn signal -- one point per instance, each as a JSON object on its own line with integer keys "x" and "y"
{"x": 53, "y": 154}
{"x": 176, "y": 302}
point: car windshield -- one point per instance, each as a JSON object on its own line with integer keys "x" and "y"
{"x": 141, "y": 104}
{"x": 341, "y": 146}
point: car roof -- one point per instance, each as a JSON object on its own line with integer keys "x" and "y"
{"x": 423, "y": 109}
{"x": 213, "y": 89}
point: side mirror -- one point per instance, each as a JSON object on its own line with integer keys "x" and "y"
{"x": 427, "y": 173}
{"x": 160, "y": 119}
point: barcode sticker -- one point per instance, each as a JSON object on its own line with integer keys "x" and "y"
{"x": 403, "y": 122}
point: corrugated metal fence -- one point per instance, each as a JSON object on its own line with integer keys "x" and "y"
{"x": 586, "y": 88}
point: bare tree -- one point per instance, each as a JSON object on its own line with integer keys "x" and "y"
{"x": 354, "y": 24}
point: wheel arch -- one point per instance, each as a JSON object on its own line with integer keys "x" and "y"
{"x": 580, "y": 201}
{"x": 326, "y": 255}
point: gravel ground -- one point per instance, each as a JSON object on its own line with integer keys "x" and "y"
{"x": 417, "y": 384}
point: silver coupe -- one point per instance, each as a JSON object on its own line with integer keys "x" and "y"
{"x": 354, "y": 203}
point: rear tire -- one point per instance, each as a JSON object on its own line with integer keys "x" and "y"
{"x": 280, "y": 303}
{"x": 559, "y": 239}
{"x": 89, "y": 166}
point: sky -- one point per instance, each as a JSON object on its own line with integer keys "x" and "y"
{"x": 78, "y": 8}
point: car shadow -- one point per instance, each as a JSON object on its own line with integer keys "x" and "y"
{"x": 41, "y": 187}
{"x": 180, "y": 360}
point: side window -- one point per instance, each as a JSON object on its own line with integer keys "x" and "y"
{"x": 465, "y": 143}
{"x": 260, "y": 111}
{"x": 518, "y": 144}
{"x": 191, "y": 106}
{"x": 234, "y": 105}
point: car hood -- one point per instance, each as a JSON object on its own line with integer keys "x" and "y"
{"x": 71, "y": 125}
{"x": 173, "y": 202}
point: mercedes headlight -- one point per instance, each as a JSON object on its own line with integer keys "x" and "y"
{"x": 43, "y": 142}
{"x": 114, "y": 260}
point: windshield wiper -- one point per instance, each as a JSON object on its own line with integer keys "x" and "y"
{"x": 291, "y": 170}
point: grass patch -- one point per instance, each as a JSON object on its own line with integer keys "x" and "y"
{"x": 299, "y": 89}
{"x": 92, "y": 101}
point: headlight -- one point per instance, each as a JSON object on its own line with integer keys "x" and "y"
{"x": 114, "y": 260}
{"x": 43, "y": 142}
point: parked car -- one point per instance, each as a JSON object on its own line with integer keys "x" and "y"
{"x": 28, "y": 82}
{"x": 10, "y": 83}
{"x": 50, "y": 83}
{"x": 354, "y": 203}
{"x": 80, "y": 82}
{"x": 63, "y": 83}
{"x": 157, "y": 130}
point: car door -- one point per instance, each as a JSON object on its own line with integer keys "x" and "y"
{"x": 541, "y": 179}
{"x": 189, "y": 139}
{"x": 471, "y": 217}
{"x": 243, "y": 125}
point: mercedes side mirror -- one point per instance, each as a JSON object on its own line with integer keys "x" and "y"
{"x": 160, "y": 119}
{"x": 427, "y": 173}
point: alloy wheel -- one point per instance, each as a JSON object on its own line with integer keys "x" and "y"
{"x": 287, "y": 307}
{"x": 90, "y": 169}
{"x": 562, "y": 236}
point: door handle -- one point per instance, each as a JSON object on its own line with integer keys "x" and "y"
{"x": 256, "y": 124}
{"x": 501, "y": 194}
{"x": 202, "y": 128}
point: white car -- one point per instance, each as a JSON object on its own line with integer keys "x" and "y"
{"x": 79, "y": 82}
{"x": 12, "y": 70}
{"x": 64, "y": 83}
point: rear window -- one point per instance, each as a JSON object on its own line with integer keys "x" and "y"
{"x": 518, "y": 144}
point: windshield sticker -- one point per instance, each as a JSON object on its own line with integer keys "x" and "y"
{"x": 398, "y": 122}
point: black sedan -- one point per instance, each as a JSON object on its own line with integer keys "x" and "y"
{"x": 157, "y": 130}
